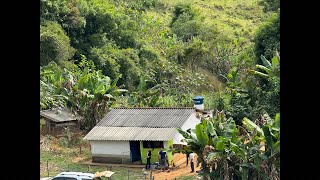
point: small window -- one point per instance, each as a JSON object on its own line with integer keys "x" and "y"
{"x": 152, "y": 144}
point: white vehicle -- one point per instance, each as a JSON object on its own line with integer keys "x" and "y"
{"x": 80, "y": 176}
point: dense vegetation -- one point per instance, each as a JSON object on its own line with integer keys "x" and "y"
{"x": 229, "y": 151}
{"x": 100, "y": 54}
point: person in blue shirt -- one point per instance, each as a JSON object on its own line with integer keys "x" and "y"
{"x": 162, "y": 157}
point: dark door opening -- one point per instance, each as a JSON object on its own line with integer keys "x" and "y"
{"x": 135, "y": 151}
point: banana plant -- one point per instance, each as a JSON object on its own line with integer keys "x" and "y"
{"x": 227, "y": 149}
{"x": 51, "y": 80}
{"x": 244, "y": 151}
{"x": 94, "y": 92}
{"x": 197, "y": 140}
{"x": 231, "y": 151}
{"x": 145, "y": 96}
{"x": 264, "y": 147}
{"x": 80, "y": 87}
{"x": 270, "y": 69}
{"x": 214, "y": 141}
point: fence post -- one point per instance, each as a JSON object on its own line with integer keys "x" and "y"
{"x": 48, "y": 167}
{"x": 88, "y": 168}
{"x": 151, "y": 175}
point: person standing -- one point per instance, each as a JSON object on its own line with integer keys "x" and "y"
{"x": 187, "y": 155}
{"x": 162, "y": 157}
{"x": 166, "y": 161}
{"x": 148, "y": 159}
{"x": 191, "y": 157}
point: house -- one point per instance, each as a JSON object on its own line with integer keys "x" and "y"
{"x": 125, "y": 135}
{"x": 56, "y": 120}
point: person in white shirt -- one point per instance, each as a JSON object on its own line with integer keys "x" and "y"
{"x": 191, "y": 157}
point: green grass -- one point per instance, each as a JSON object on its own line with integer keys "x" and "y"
{"x": 233, "y": 18}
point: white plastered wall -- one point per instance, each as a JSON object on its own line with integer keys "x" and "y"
{"x": 110, "y": 147}
{"x": 190, "y": 123}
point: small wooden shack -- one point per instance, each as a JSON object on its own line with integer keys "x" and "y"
{"x": 56, "y": 120}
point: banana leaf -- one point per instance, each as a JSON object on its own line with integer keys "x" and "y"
{"x": 261, "y": 74}
{"x": 266, "y": 62}
{"x": 210, "y": 129}
{"x": 250, "y": 125}
{"x": 269, "y": 71}
{"x": 201, "y": 135}
{"x": 275, "y": 62}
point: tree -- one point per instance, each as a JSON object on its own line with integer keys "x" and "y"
{"x": 270, "y": 69}
{"x": 93, "y": 93}
{"x": 144, "y": 96}
{"x": 185, "y": 27}
{"x": 50, "y": 96}
{"x": 114, "y": 61}
{"x": 54, "y": 44}
{"x": 197, "y": 141}
{"x": 229, "y": 151}
{"x": 268, "y": 78}
{"x": 270, "y": 5}
{"x": 83, "y": 88}
{"x": 183, "y": 8}
{"x": 267, "y": 39}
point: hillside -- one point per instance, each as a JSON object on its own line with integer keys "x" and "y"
{"x": 96, "y": 55}
{"x": 153, "y": 53}
{"x": 233, "y": 18}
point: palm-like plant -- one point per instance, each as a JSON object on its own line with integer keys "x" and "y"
{"x": 208, "y": 136}
{"x": 265, "y": 157}
{"x": 227, "y": 150}
{"x": 270, "y": 69}
{"x": 197, "y": 141}
{"x": 249, "y": 151}
{"x": 145, "y": 96}
{"x": 93, "y": 93}
{"x": 230, "y": 151}
{"x": 50, "y": 87}
{"x": 81, "y": 87}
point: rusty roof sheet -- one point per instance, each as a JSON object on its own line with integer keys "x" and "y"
{"x": 130, "y": 133}
{"x": 146, "y": 117}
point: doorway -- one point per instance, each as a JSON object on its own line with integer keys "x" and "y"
{"x": 135, "y": 151}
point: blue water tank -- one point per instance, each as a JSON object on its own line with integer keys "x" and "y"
{"x": 198, "y": 102}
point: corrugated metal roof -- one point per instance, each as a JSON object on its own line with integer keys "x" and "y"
{"x": 59, "y": 115}
{"x": 146, "y": 117}
{"x": 130, "y": 133}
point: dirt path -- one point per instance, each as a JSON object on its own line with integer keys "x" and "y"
{"x": 180, "y": 170}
